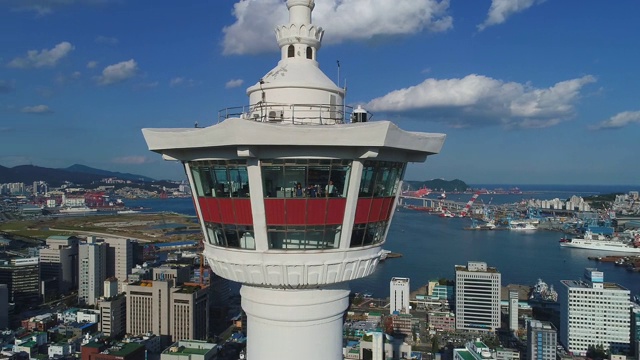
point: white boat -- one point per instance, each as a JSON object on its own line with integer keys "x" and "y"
{"x": 522, "y": 225}
{"x": 600, "y": 242}
{"x": 77, "y": 210}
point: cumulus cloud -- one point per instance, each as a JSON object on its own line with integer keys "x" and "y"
{"x": 42, "y": 58}
{"x": 481, "y": 100}
{"x": 119, "y": 72}
{"x": 92, "y": 64}
{"x": 252, "y": 32}
{"x": 130, "y": 160}
{"x": 6, "y": 86}
{"x": 46, "y": 7}
{"x": 181, "y": 81}
{"x": 618, "y": 121}
{"x": 37, "y": 109}
{"x": 106, "y": 40}
{"x": 500, "y": 10}
{"x": 234, "y": 83}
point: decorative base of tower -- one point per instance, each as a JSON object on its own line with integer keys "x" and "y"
{"x": 295, "y": 324}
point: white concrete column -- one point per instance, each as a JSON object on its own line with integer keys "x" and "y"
{"x": 256, "y": 195}
{"x": 288, "y": 324}
{"x": 352, "y": 203}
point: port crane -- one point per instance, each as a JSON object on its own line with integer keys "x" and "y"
{"x": 467, "y": 207}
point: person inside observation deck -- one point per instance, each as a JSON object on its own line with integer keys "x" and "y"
{"x": 299, "y": 190}
{"x": 330, "y": 190}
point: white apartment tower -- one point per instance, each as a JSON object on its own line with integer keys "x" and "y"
{"x": 399, "y": 295}
{"x": 513, "y": 310}
{"x": 92, "y": 257}
{"x": 594, "y": 312}
{"x": 477, "y": 297}
{"x": 542, "y": 339}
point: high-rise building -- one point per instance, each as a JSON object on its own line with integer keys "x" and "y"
{"x": 160, "y": 308}
{"x": 542, "y": 339}
{"x": 179, "y": 273}
{"x": 399, "y": 295}
{"x": 4, "y": 307}
{"x": 119, "y": 259}
{"x": 513, "y": 310}
{"x": 477, "y": 297}
{"x": 59, "y": 260}
{"x": 113, "y": 311}
{"x": 189, "y": 312}
{"x": 635, "y": 329}
{"x": 92, "y": 256}
{"x": 594, "y": 313}
{"x": 294, "y": 193}
{"x": 148, "y": 307}
{"x": 22, "y": 277}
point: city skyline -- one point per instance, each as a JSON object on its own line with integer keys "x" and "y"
{"x": 528, "y": 92}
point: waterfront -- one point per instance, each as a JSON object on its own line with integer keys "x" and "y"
{"x": 431, "y": 246}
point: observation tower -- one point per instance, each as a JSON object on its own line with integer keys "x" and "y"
{"x": 295, "y": 193}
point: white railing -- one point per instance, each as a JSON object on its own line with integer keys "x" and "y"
{"x": 297, "y": 114}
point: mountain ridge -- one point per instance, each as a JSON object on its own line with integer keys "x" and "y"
{"x": 77, "y": 174}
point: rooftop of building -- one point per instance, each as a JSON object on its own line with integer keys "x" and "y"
{"x": 465, "y": 268}
{"x": 466, "y": 354}
{"x": 123, "y": 349}
{"x": 188, "y": 289}
{"x": 581, "y": 284}
{"x": 188, "y": 348}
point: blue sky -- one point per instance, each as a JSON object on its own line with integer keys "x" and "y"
{"x": 527, "y": 91}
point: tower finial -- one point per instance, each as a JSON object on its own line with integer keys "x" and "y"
{"x": 300, "y": 38}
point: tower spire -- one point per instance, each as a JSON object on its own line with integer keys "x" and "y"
{"x": 299, "y": 39}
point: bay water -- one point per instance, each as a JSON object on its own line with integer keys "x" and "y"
{"x": 431, "y": 246}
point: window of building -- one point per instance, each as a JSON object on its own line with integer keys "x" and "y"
{"x": 311, "y": 178}
{"x": 220, "y": 178}
{"x": 309, "y": 53}
{"x": 291, "y": 51}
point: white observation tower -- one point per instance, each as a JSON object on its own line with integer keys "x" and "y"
{"x": 295, "y": 193}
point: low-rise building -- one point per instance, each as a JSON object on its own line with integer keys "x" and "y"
{"x": 190, "y": 350}
{"x": 441, "y": 320}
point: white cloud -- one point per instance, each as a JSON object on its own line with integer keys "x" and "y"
{"x": 119, "y": 72}
{"x": 181, "y": 81}
{"x": 481, "y": 100}
{"x": 500, "y": 10}
{"x": 46, "y": 7}
{"x": 131, "y": 160}
{"x": 106, "y": 40}
{"x": 233, "y": 83}
{"x": 42, "y": 58}
{"x": 92, "y": 64}
{"x": 252, "y": 32}
{"x": 619, "y": 120}
{"x": 37, "y": 109}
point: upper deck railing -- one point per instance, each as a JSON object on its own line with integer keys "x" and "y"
{"x": 297, "y": 114}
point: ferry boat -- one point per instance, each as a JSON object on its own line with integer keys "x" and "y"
{"x": 600, "y": 242}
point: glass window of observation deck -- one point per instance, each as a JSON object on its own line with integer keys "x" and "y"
{"x": 232, "y": 236}
{"x": 220, "y": 178}
{"x": 311, "y": 178}
{"x": 380, "y": 178}
{"x": 303, "y": 238}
